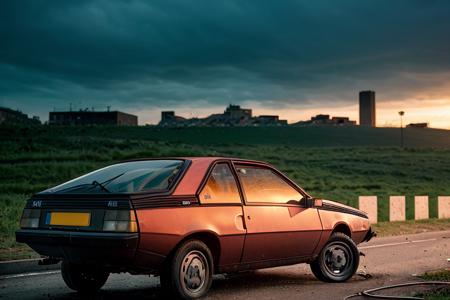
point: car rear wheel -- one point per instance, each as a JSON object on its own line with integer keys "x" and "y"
{"x": 338, "y": 260}
{"x": 83, "y": 278}
{"x": 189, "y": 273}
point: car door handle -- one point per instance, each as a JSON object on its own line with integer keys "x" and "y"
{"x": 239, "y": 222}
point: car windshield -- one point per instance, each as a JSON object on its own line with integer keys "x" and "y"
{"x": 129, "y": 177}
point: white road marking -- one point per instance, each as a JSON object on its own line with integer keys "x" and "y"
{"x": 420, "y": 241}
{"x": 396, "y": 244}
{"x": 29, "y": 274}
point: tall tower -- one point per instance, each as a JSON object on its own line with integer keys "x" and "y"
{"x": 367, "y": 108}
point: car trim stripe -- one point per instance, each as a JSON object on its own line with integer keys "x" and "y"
{"x": 78, "y": 203}
{"x": 337, "y": 208}
{"x": 165, "y": 201}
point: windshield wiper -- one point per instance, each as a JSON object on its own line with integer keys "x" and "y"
{"x": 96, "y": 183}
{"x": 104, "y": 183}
{"x": 93, "y": 184}
{"x": 111, "y": 179}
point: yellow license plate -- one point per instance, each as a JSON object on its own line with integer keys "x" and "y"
{"x": 70, "y": 219}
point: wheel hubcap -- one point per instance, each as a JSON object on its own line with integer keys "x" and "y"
{"x": 193, "y": 272}
{"x": 337, "y": 258}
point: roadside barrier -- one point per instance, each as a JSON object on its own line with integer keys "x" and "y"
{"x": 397, "y": 207}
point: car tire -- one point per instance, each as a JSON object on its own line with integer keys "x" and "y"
{"x": 338, "y": 260}
{"x": 188, "y": 273}
{"x": 83, "y": 278}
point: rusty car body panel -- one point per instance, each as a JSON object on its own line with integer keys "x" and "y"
{"x": 241, "y": 235}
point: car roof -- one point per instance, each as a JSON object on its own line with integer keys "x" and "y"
{"x": 199, "y": 159}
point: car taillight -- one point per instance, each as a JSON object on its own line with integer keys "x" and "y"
{"x": 30, "y": 218}
{"x": 120, "y": 220}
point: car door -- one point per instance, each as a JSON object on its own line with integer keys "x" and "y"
{"x": 224, "y": 213}
{"x": 278, "y": 226}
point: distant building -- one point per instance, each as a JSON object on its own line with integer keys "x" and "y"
{"x": 269, "y": 120}
{"x": 92, "y": 118}
{"x": 342, "y": 121}
{"x": 320, "y": 119}
{"x": 235, "y": 112}
{"x": 167, "y": 115}
{"x": 326, "y": 120}
{"x": 233, "y": 115}
{"x": 367, "y": 114}
{"x": 417, "y": 125}
{"x": 15, "y": 117}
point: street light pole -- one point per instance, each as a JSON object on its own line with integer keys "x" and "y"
{"x": 401, "y": 113}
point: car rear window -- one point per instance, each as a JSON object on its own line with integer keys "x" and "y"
{"x": 128, "y": 177}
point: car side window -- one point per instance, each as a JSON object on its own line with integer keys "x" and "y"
{"x": 262, "y": 185}
{"x": 221, "y": 186}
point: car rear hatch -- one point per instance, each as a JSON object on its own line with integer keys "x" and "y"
{"x": 80, "y": 229}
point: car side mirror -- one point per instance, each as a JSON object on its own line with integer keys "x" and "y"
{"x": 318, "y": 203}
{"x": 312, "y": 202}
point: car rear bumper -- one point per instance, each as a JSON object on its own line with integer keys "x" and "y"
{"x": 82, "y": 247}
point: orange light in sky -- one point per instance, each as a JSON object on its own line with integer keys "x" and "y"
{"x": 434, "y": 112}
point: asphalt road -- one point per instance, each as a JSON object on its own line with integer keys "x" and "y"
{"x": 388, "y": 260}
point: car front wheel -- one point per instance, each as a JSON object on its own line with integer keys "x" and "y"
{"x": 83, "y": 278}
{"x": 189, "y": 273}
{"x": 338, "y": 260}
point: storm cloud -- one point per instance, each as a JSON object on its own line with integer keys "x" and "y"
{"x": 138, "y": 55}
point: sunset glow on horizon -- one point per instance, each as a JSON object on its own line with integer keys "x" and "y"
{"x": 434, "y": 112}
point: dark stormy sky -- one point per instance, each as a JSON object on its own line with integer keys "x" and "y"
{"x": 294, "y": 58}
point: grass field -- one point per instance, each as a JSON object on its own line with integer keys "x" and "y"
{"x": 333, "y": 163}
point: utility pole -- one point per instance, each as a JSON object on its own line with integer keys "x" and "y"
{"x": 401, "y": 113}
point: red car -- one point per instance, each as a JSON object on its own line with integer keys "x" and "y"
{"x": 186, "y": 219}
